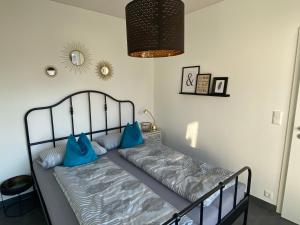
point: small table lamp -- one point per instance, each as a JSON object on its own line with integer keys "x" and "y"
{"x": 147, "y": 112}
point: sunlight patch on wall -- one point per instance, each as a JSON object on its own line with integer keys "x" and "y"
{"x": 192, "y": 133}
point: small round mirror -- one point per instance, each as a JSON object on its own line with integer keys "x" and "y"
{"x": 104, "y": 70}
{"x": 77, "y": 58}
{"x": 51, "y": 71}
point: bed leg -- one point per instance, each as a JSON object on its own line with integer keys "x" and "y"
{"x": 245, "y": 216}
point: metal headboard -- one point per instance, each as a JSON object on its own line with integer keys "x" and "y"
{"x": 54, "y": 139}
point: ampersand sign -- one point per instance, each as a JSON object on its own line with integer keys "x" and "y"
{"x": 189, "y": 81}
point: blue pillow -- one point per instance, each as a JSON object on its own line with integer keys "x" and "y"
{"x": 132, "y": 136}
{"x": 78, "y": 153}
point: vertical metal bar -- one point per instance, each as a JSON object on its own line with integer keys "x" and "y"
{"x": 71, "y": 113}
{"x": 247, "y": 196}
{"x": 105, "y": 109}
{"x": 249, "y": 182}
{"x": 34, "y": 194}
{"x": 220, "y": 202}
{"x": 90, "y": 115}
{"x": 201, "y": 213}
{"x": 235, "y": 191}
{"x": 245, "y": 216}
{"x": 133, "y": 113}
{"x": 42, "y": 201}
{"x": 120, "y": 117}
{"x": 176, "y": 218}
{"x": 28, "y": 141}
{"x": 52, "y": 127}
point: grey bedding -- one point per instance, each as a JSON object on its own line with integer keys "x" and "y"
{"x": 189, "y": 178}
{"x": 103, "y": 193}
{"x": 60, "y": 211}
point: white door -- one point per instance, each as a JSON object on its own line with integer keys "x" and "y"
{"x": 291, "y": 202}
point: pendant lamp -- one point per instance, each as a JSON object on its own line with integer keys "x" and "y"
{"x": 155, "y": 28}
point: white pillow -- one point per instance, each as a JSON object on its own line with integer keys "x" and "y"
{"x": 110, "y": 141}
{"x": 52, "y": 157}
{"x": 98, "y": 148}
{"x": 55, "y": 156}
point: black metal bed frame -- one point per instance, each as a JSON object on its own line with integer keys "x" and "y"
{"x": 238, "y": 208}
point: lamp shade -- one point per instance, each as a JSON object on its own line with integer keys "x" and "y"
{"x": 155, "y": 28}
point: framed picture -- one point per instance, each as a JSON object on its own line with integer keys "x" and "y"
{"x": 219, "y": 85}
{"x": 203, "y": 84}
{"x": 189, "y": 79}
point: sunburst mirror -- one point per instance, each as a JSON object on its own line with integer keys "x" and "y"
{"x": 76, "y": 57}
{"x": 104, "y": 70}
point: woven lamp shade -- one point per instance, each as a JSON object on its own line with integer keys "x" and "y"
{"x": 155, "y": 28}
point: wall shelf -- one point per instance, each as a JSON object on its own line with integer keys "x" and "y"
{"x": 212, "y": 95}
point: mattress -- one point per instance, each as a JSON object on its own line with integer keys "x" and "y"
{"x": 60, "y": 211}
{"x": 188, "y": 177}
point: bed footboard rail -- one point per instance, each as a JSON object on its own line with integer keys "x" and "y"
{"x": 238, "y": 208}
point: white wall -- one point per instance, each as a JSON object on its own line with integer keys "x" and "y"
{"x": 33, "y": 35}
{"x": 253, "y": 42}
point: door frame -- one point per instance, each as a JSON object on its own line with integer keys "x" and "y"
{"x": 290, "y": 126}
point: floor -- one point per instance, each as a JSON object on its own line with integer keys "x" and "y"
{"x": 34, "y": 217}
{"x": 259, "y": 214}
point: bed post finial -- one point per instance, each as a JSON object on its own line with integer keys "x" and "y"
{"x": 177, "y": 218}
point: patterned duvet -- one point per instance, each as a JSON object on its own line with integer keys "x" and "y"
{"x": 103, "y": 193}
{"x": 189, "y": 178}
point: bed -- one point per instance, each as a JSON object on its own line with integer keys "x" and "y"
{"x": 231, "y": 202}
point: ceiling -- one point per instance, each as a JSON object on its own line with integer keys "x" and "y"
{"x": 117, "y": 7}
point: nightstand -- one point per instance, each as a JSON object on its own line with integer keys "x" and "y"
{"x": 153, "y": 136}
{"x": 16, "y": 186}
